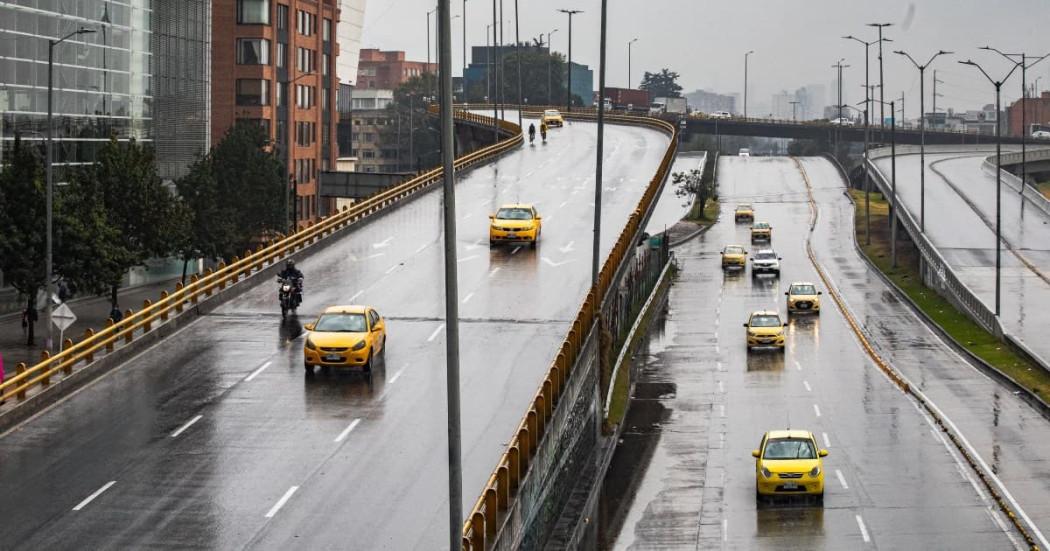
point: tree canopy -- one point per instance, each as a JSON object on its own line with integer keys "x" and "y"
{"x": 663, "y": 84}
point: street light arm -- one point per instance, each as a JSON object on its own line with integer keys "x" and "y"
{"x": 80, "y": 30}
{"x": 1009, "y": 57}
{"x": 1029, "y": 66}
{"x": 934, "y": 56}
{"x": 910, "y": 58}
{"x": 981, "y": 69}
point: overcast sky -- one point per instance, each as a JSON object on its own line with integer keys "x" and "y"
{"x": 795, "y": 41}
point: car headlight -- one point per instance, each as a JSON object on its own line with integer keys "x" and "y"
{"x": 766, "y": 473}
{"x": 814, "y": 472}
{"x": 310, "y": 345}
{"x": 359, "y": 345}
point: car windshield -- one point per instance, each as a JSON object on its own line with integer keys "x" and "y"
{"x": 743, "y": 206}
{"x": 761, "y": 226}
{"x": 341, "y": 323}
{"x": 766, "y": 255}
{"x": 789, "y": 448}
{"x": 734, "y": 250}
{"x": 514, "y": 214}
{"x": 552, "y": 112}
{"x": 803, "y": 290}
{"x": 765, "y": 321}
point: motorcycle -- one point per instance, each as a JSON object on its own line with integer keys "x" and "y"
{"x": 289, "y": 294}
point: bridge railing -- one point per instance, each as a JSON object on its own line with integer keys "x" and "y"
{"x": 511, "y": 478}
{"x": 97, "y": 343}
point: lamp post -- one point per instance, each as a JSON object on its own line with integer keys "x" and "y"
{"x": 549, "y": 56}
{"x": 464, "y": 50}
{"x": 568, "y": 67}
{"x": 599, "y": 157}
{"x": 746, "y": 55}
{"x": 893, "y": 180}
{"x": 495, "y": 75}
{"x": 517, "y": 54}
{"x": 882, "y": 81}
{"x": 291, "y": 213}
{"x": 1024, "y": 65}
{"x": 49, "y": 266}
{"x": 922, "y": 130}
{"x": 998, "y": 176}
{"x": 867, "y": 75}
{"x": 838, "y": 67}
{"x": 629, "y": 44}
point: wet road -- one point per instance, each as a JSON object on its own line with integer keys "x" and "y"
{"x": 215, "y": 439}
{"x": 960, "y": 221}
{"x": 891, "y": 480}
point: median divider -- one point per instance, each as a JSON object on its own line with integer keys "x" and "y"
{"x": 509, "y": 481}
{"x": 30, "y": 381}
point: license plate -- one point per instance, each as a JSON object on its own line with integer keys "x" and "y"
{"x": 790, "y": 486}
{"x": 512, "y": 234}
{"x": 333, "y": 358}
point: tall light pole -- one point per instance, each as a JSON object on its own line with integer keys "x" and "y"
{"x": 629, "y": 43}
{"x": 998, "y": 175}
{"x": 867, "y": 73}
{"x": 922, "y": 130}
{"x": 599, "y": 156}
{"x": 291, "y": 212}
{"x": 936, "y": 95}
{"x": 746, "y": 55}
{"x": 838, "y": 67}
{"x": 1024, "y": 65}
{"x": 49, "y": 265}
{"x": 495, "y": 75}
{"x": 550, "y": 54}
{"x": 568, "y": 67}
{"x": 882, "y": 81}
{"x": 464, "y": 50}
{"x": 517, "y": 54}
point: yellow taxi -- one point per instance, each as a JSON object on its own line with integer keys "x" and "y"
{"x": 734, "y": 256}
{"x": 788, "y": 462}
{"x": 345, "y": 336}
{"x": 765, "y": 328}
{"x": 803, "y": 296}
{"x": 515, "y": 223}
{"x": 553, "y": 118}
{"x": 761, "y": 231}
{"x": 744, "y": 211}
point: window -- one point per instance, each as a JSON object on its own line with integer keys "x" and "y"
{"x": 305, "y": 133}
{"x": 253, "y": 12}
{"x": 306, "y": 23}
{"x": 324, "y": 99}
{"x": 324, "y": 64}
{"x": 280, "y": 92}
{"x": 326, "y": 30}
{"x": 305, "y": 96}
{"x": 282, "y": 16}
{"x": 281, "y": 139}
{"x": 253, "y": 51}
{"x": 281, "y": 54}
{"x": 253, "y": 92}
{"x": 307, "y": 60}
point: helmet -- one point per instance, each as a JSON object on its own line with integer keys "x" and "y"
{"x": 290, "y": 264}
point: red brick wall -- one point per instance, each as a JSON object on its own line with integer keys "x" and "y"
{"x": 1038, "y": 112}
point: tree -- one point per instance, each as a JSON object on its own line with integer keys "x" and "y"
{"x": 696, "y": 184}
{"x": 411, "y": 131}
{"x": 536, "y": 65}
{"x": 233, "y": 197}
{"x": 661, "y": 85}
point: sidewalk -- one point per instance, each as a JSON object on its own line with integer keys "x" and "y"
{"x": 91, "y": 312}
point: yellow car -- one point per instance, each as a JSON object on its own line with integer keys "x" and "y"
{"x": 761, "y": 231}
{"x": 515, "y": 223}
{"x": 803, "y": 296}
{"x": 765, "y": 328}
{"x": 734, "y": 256}
{"x": 744, "y": 211}
{"x": 345, "y": 336}
{"x": 788, "y": 462}
{"x": 553, "y": 118}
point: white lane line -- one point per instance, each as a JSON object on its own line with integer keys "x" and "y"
{"x": 816, "y": 409}
{"x": 721, "y": 387}
{"x": 721, "y": 410}
{"x": 357, "y": 294}
{"x": 720, "y": 366}
{"x": 421, "y": 247}
{"x": 842, "y": 479}
{"x": 806, "y": 384}
{"x": 396, "y": 376}
{"x": 827, "y": 441}
{"x": 376, "y": 255}
{"x": 725, "y": 529}
{"x": 516, "y": 249}
{"x": 284, "y": 499}
{"x": 256, "y": 373}
{"x": 494, "y": 271}
{"x": 188, "y": 424}
{"x": 863, "y": 530}
{"x": 467, "y": 298}
{"x": 383, "y": 243}
{"x": 563, "y": 203}
{"x": 353, "y": 425}
{"x": 548, "y": 218}
{"x": 92, "y": 497}
{"x": 391, "y": 269}
{"x": 467, "y": 258}
{"x": 798, "y": 366}
{"x": 435, "y": 333}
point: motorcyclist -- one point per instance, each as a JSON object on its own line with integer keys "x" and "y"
{"x": 543, "y": 131}
{"x": 292, "y": 274}
{"x": 532, "y": 132}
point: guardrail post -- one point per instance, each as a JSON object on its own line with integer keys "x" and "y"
{"x": 524, "y": 449}
{"x": 45, "y": 356}
{"x": 90, "y": 356}
{"x": 477, "y": 531}
{"x": 514, "y": 467}
{"x": 131, "y": 332}
{"x": 178, "y": 303}
{"x": 234, "y": 273}
{"x": 20, "y": 369}
{"x": 466, "y": 544}
{"x": 491, "y": 512}
{"x": 222, "y": 281}
{"x": 548, "y": 391}
{"x": 109, "y": 340}
{"x": 164, "y": 311}
{"x": 68, "y": 368}
{"x": 541, "y": 413}
{"x": 556, "y": 377}
{"x": 147, "y": 325}
{"x": 533, "y": 423}
{"x": 503, "y": 487}
{"x": 207, "y": 273}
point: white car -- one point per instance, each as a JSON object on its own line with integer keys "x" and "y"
{"x": 765, "y": 261}
{"x": 721, "y": 115}
{"x": 841, "y": 122}
{"x": 745, "y": 152}
{"x": 1044, "y": 134}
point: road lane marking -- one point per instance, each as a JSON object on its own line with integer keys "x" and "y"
{"x": 467, "y": 298}
{"x": 92, "y": 497}
{"x": 376, "y": 255}
{"x": 563, "y": 203}
{"x": 188, "y": 424}
{"x": 262, "y": 368}
{"x": 806, "y": 384}
{"x": 816, "y": 409}
{"x": 421, "y": 247}
{"x": 383, "y": 243}
{"x": 494, "y": 271}
{"x": 721, "y": 387}
{"x": 554, "y": 264}
{"x": 721, "y": 410}
{"x": 863, "y": 530}
{"x": 721, "y": 367}
{"x": 827, "y": 441}
{"x": 725, "y": 529}
{"x": 798, "y": 366}
{"x": 284, "y": 499}
{"x": 516, "y": 249}
{"x": 353, "y": 425}
{"x": 396, "y": 376}
{"x": 357, "y": 294}
{"x": 391, "y": 269}
{"x": 842, "y": 479}
{"x": 475, "y": 245}
{"x": 567, "y": 248}
{"x": 435, "y": 333}
{"x": 467, "y": 258}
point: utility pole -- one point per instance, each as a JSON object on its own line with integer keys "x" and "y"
{"x": 495, "y": 77}
{"x": 745, "y": 80}
{"x": 550, "y": 55}
{"x": 568, "y": 67}
{"x": 936, "y": 81}
{"x": 599, "y": 159}
{"x": 882, "y": 81}
{"x": 517, "y": 54}
{"x": 629, "y": 44}
{"x": 464, "y": 50}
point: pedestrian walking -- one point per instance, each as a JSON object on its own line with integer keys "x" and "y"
{"x": 115, "y": 314}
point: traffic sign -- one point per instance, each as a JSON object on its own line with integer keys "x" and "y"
{"x": 63, "y": 317}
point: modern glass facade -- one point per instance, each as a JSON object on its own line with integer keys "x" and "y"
{"x": 143, "y": 74}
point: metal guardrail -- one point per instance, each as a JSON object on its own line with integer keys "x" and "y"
{"x": 173, "y": 303}
{"x": 483, "y": 523}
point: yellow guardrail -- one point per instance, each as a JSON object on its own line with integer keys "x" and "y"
{"x": 105, "y": 340}
{"x": 482, "y": 524}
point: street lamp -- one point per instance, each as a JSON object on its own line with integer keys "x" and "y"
{"x": 568, "y": 67}
{"x": 291, "y": 212}
{"x": 629, "y": 43}
{"x": 49, "y": 266}
{"x": 893, "y": 181}
{"x": 550, "y": 52}
{"x": 597, "y": 231}
{"x": 998, "y": 175}
{"x": 839, "y": 66}
{"x": 867, "y": 98}
{"x": 882, "y": 82}
{"x": 746, "y": 55}
{"x": 1024, "y": 112}
{"x": 922, "y": 131}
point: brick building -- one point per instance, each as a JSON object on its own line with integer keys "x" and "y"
{"x": 273, "y": 61}
{"x": 1038, "y": 114}
{"x": 386, "y": 70}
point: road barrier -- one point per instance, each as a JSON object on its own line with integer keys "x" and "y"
{"x": 94, "y": 343}
{"x": 531, "y": 443}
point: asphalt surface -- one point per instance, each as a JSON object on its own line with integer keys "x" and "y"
{"x": 215, "y": 439}
{"x": 960, "y": 221}
{"x": 702, "y": 402}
